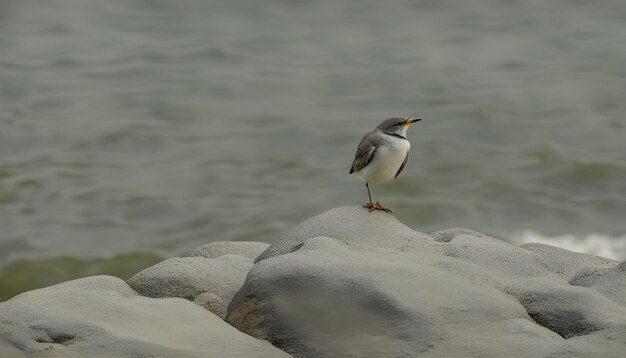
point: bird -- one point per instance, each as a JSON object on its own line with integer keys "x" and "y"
{"x": 382, "y": 155}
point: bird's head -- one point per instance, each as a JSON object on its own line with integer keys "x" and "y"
{"x": 397, "y": 125}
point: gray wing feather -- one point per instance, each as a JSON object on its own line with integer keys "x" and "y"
{"x": 406, "y": 159}
{"x": 364, "y": 154}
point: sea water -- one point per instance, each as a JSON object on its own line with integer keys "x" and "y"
{"x": 151, "y": 127}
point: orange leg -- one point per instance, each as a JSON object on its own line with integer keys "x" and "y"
{"x": 374, "y": 206}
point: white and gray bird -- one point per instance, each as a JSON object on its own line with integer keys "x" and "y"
{"x": 382, "y": 155}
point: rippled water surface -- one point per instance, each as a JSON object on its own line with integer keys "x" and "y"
{"x": 152, "y": 127}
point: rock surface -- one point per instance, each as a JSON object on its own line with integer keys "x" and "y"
{"x": 210, "y": 283}
{"x": 8, "y": 350}
{"x": 566, "y": 263}
{"x": 346, "y": 283}
{"x": 249, "y": 249}
{"x": 350, "y": 226}
{"x": 353, "y": 283}
{"x": 566, "y": 310}
{"x": 102, "y": 317}
{"x": 611, "y": 281}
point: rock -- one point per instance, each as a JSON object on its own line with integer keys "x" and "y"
{"x": 497, "y": 256}
{"x": 211, "y": 283}
{"x": 212, "y": 302}
{"x": 79, "y": 319}
{"x": 566, "y": 310}
{"x": 96, "y": 283}
{"x": 7, "y": 350}
{"x": 448, "y": 234}
{"x": 215, "y": 249}
{"x": 352, "y": 283}
{"x": 346, "y": 283}
{"x": 349, "y": 225}
{"x": 566, "y": 263}
{"x": 330, "y": 300}
{"x": 611, "y": 282}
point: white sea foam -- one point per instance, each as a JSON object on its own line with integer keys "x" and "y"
{"x": 612, "y": 247}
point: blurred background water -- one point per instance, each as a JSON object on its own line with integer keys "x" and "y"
{"x": 131, "y": 131}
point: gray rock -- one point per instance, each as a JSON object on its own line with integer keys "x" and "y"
{"x": 498, "y": 257}
{"x": 448, "y": 234}
{"x": 212, "y": 302}
{"x": 344, "y": 283}
{"x": 95, "y": 283}
{"x": 349, "y": 225}
{"x": 567, "y": 310}
{"x": 78, "y": 319}
{"x": 7, "y": 350}
{"x": 249, "y": 249}
{"x": 566, "y": 263}
{"x": 215, "y": 280}
{"x": 352, "y": 283}
{"x": 611, "y": 282}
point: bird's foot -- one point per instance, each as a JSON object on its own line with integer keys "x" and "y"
{"x": 377, "y": 206}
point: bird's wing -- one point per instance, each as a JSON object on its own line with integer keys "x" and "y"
{"x": 364, "y": 154}
{"x": 406, "y": 159}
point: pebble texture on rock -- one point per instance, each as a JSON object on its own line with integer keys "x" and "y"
{"x": 611, "y": 281}
{"x": 102, "y": 317}
{"x": 210, "y": 283}
{"x": 353, "y": 283}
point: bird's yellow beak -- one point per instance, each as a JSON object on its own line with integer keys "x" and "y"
{"x": 410, "y": 121}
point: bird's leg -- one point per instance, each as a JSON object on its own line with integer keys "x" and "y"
{"x": 370, "y": 205}
{"x": 374, "y": 206}
{"x": 379, "y": 206}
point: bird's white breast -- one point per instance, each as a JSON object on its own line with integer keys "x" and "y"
{"x": 387, "y": 161}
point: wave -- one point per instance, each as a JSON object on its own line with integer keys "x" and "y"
{"x": 612, "y": 247}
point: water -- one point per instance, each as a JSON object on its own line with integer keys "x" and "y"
{"x": 153, "y": 127}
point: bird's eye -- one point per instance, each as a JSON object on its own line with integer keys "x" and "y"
{"x": 399, "y": 123}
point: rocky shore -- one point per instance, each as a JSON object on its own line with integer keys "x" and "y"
{"x": 345, "y": 283}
